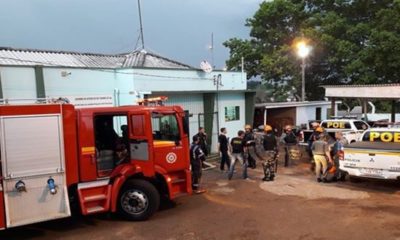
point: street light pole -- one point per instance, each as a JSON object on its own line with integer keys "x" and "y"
{"x": 303, "y": 50}
{"x": 303, "y": 79}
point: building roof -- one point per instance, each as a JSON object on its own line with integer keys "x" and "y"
{"x": 361, "y": 85}
{"x": 372, "y": 91}
{"x": 151, "y": 60}
{"x": 34, "y": 57}
{"x": 292, "y": 104}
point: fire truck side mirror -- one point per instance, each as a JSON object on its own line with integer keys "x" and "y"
{"x": 177, "y": 139}
{"x": 185, "y": 121}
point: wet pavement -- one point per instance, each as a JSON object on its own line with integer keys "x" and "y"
{"x": 294, "y": 206}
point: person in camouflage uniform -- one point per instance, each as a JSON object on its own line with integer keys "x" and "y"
{"x": 270, "y": 145}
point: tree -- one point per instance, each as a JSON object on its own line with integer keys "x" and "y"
{"x": 354, "y": 42}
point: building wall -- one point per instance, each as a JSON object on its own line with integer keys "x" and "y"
{"x": 194, "y": 103}
{"x": 18, "y": 83}
{"x": 231, "y": 100}
{"x": 125, "y": 86}
{"x": 307, "y": 113}
{"x": 159, "y": 80}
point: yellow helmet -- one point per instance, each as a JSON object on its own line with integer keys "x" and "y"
{"x": 267, "y": 128}
{"x": 248, "y": 126}
{"x": 319, "y": 129}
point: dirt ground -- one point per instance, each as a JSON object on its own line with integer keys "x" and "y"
{"x": 294, "y": 206}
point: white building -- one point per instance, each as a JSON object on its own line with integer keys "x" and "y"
{"x": 106, "y": 80}
{"x": 280, "y": 114}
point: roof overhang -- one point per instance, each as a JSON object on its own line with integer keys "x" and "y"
{"x": 294, "y": 104}
{"x": 382, "y": 91}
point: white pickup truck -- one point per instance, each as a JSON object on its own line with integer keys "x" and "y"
{"x": 377, "y": 155}
{"x": 352, "y": 129}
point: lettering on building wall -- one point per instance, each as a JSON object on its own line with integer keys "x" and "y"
{"x": 91, "y": 101}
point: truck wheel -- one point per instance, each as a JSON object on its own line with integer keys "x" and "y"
{"x": 138, "y": 200}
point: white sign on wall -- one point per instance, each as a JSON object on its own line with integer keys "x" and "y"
{"x": 91, "y": 101}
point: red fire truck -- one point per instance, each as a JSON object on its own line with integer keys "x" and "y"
{"x": 109, "y": 159}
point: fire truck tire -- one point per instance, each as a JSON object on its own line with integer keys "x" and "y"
{"x": 138, "y": 200}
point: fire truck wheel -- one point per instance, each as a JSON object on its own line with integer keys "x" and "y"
{"x": 138, "y": 200}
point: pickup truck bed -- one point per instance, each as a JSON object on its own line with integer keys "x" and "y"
{"x": 372, "y": 160}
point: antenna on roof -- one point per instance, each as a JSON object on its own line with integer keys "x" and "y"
{"x": 141, "y": 24}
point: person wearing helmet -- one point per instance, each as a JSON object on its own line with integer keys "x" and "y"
{"x": 313, "y": 137}
{"x": 289, "y": 139}
{"x": 271, "y": 150}
{"x": 249, "y": 143}
{"x": 321, "y": 153}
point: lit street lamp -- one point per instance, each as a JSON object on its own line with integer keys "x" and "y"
{"x": 303, "y": 50}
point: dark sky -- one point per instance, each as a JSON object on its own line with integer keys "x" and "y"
{"x": 178, "y": 29}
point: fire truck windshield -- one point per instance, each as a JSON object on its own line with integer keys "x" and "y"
{"x": 165, "y": 127}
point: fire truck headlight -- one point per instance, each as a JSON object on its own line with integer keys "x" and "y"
{"x": 52, "y": 186}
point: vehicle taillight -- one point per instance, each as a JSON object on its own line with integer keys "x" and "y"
{"x": 341, "y": 155}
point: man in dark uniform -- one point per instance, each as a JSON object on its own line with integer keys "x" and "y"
{"x": 202, "y": 140}
{"x": 249, "y": 142}
{"x": 270, "y": 154}
{"x": 196, "y": 161}
{"x": 223, "y": 149}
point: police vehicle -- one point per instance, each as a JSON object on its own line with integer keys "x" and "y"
{"x": 377, "y": 155}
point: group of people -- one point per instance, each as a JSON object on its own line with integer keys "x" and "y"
{"x": 246, "y": 148}
{"x": 325, "y": 154}
{"x": 250, "y": 146}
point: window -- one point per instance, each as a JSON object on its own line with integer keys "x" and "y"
{"x": 232, "y": 113}
{"x": 165, "y": 127}
{"x": 318, "y": 113}
{"x": 111, "y": 141}
{"x": 138, "y": 125}
{"x": 360, "y": 125}
{"x": 109, "y": 129}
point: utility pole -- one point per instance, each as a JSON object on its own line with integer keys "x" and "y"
{"x": 212, "y": 50}
{"x": 141, "y": 24}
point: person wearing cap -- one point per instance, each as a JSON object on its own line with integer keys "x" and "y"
{"x": 321, "y": 152}
{"x": 249, "y": 142}
{"x": 271, "y": 151}
{"x": 289, "y": 139}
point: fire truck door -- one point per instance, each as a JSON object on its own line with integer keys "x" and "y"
{"x": 169, "y": 152}
{"x": 33, "y": 169}
{"x": 140, "y": 141}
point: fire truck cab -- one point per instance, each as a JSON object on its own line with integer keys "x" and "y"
{"x": 111, "y": 159}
